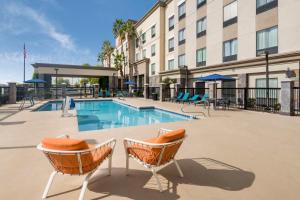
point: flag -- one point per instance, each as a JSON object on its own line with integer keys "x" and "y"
{"x": 25, "y": 52}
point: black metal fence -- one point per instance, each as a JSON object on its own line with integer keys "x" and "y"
{"x": 154, "y": 93}
{"x": 4, "y": 92}
{"x": 297, "y": 100}
{"x": 258, "y": 99}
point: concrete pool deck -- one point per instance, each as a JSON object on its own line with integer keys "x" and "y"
{"x": 231, "y": 155}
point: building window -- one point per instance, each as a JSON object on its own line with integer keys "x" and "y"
{"x": 153, "y": 69}
{"x": 181, "y": 11}
{"x": 230, "y": 50}
{"x": 153, "y": 50}
{"x": 200, "y": 3}
{"x": 181, "y": 37}
{"x": 137, "y": 57}
{"x": 171, "y": 64}
{"x": 171, "y": 23}
{"x": 153, "y": 31}
{"x": 201, "y": 57}
{"x": 144, "y": 53}
{"x": 261, "y": 94}
{"x": 144, "y": 38}
{"x": 171, "y": 44}
{"x": 137, "y": 43}
{"x": 230, "y": 14}
{"x": 201, "y": 27}
{"x": 267, "y": 40}
{"x": 264, "y": 5}
{"x": 181, "y": 60}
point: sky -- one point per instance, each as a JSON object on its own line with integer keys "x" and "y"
{"x": 58, "y": 31}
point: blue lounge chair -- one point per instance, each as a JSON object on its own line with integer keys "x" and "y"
{"x": 100, "y": 93}
{"x": 107, "y": 93}
{"x": 179, "y": 96}
{"x": 194, "y": 98}
{"x": 184, "y": 98}
{"x": 203, "y": 99}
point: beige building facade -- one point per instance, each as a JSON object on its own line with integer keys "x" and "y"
{"x": 195, "y": 38}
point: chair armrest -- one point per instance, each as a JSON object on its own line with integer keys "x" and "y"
{"x": 163, "y": 131}
{"x": 111, "y": 142}
{"x": 128, "y": 141}
{"x": 63, "y": 136}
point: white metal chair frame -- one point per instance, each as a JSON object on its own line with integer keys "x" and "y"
{"x": 158, "y": 166}
{"x": 111, "y": 143}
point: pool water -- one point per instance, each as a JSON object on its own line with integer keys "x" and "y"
{"x": 51, "y": 106}
{"x": 97, "y": 115}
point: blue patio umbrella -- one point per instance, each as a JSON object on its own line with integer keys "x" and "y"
{"x": 215, "y": 77}
{"x": 130, "y": 83}
{"x": 35, "y": 81}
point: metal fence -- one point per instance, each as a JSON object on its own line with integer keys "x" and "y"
{"x": 154, "y": 93}
{"x": 4, "y": 92}
{"x": 258, "y": 99}
{"x": 297, "y": 100}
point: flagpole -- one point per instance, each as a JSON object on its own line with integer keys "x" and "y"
{"x": 24, "y": 56}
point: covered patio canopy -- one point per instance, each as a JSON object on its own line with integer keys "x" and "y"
{"x": 215, "y": 77}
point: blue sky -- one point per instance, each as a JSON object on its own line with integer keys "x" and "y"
{"x": 58, "y": 31}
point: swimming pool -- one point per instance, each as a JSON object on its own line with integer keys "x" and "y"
{"x": 97, "y": 115}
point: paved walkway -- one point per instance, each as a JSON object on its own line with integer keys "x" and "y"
{"x": 232, "y": 155}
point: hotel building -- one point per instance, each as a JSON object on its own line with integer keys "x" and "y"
{"x": 186, "y": 39}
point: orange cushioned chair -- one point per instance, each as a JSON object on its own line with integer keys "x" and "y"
{"x": 75, "y": 157}
{"x": 154, "y": 153}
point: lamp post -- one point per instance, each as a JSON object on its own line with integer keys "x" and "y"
{"x": 56, "y": 72}
{"x": 267, "y": 77}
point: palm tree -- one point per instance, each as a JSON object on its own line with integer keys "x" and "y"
{"x": 130, "y": 33}
{"x": 118, "y": 62}
{"x": 106, "y": 52}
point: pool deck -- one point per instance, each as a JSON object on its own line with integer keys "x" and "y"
{"x": 230, "y": 155}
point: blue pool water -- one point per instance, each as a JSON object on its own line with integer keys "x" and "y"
{"x": 97, "y": 115}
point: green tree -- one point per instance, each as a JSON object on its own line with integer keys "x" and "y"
{"x": 35, "y": 75}
{"x": 118, "y": 62}
{"x": 106, "y": 52}
{"x": 86, "y": 65}
{"x": 93, "y": 81}
{"x": 84, "y": 81}
{"x": 61, "y": 80}
{"x": 130, "y": 33}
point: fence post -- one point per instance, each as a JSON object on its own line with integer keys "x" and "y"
{"x": 162, "y": 91}
{"x": 287, "y": 98}
{"x": 63, "y": 90}
{"x": 12, "y": 98}
{"x": 245, "y": 98}
{"x": 146, "y": 91}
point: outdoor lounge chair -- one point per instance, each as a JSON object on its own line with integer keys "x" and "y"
{"x": 75, "y": 157}
{"x": 107, "y": 93}
{"x": 185, "y": 98}
{"x": 154, "y": 153}
{"x": 100, "y": 94}
{"x": 204, "y": 100}
{"x": 194, "y": 98}
{"x": 179, "y": 96}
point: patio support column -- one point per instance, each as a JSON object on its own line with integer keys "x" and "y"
{"x": 212, "y": 90}
{"x": 287, "y": 98}
{"x": 162, "y": 91}
{"x": 146, "y": 91}
{"x": 63, "y": 90}
{"x": 242, "y": 83}
{"x": 96, "y": 90}
{"x": 12, "y": 98}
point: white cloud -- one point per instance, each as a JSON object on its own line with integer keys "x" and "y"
{"x": 20, "y": 10}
